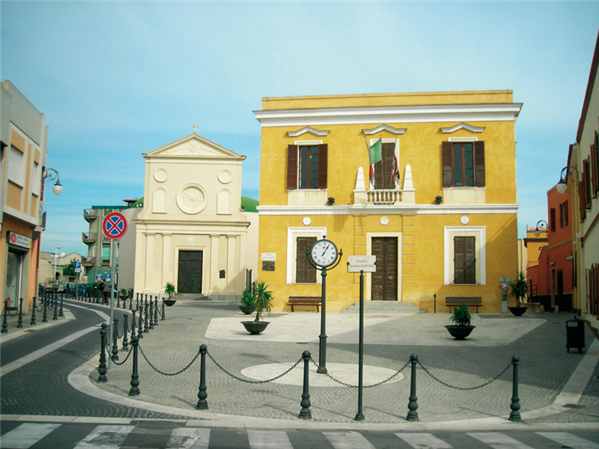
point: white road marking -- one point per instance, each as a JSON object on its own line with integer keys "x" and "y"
{"x": 105, "y": 437}
{"x": 423, "y": 441}
{"x": 189, "y": 438}
{"x": 348, "y": 440}
{"x": 26, "y": 435}
{"x": 569, "y": 440}
{"x": 498, "y": 440}
{"x": 265, "y": 439}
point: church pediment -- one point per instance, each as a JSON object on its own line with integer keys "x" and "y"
{"x": 195, "y": 147}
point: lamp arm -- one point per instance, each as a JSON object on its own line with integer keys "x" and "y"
{"x": 51, "y": 176}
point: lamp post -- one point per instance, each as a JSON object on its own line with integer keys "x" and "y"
{"x": 562, "y": 185}
{"x": 541, "y": 223}
{"x": 55, "y": 260}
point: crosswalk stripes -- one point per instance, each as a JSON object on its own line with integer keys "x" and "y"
{"x": 189, "y": 438}
{"x": 568, "y": 440}
{"x": 348, "y": 440}
{"x": 106, "y": 437}
{"x": 26, "y": 435}
{"x": 423, "y": 441}
{"x": 29, "y": 435}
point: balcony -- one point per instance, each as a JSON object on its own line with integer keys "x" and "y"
{"x": 90, "y": 215}
{"x": 88, "y": 239}
{"x": 384, "y": 197}
{"x": 88, "y": 261}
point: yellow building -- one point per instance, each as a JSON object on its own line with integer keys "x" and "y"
{"x": 447, "y": 226}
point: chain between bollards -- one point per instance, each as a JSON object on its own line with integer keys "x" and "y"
{"x": 202, "y": 394}
{"x": 413, "y": 404}
{"x": 102, "y": 369}
{"x": 515, "y": 405}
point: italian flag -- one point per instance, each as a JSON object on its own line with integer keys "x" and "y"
{"x": 374, "y": 154}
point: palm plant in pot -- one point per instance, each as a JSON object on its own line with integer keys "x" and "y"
{"x": 518, "y": 290}
{"x": 461, "y": 318}
{"x": 248, "y": 302}
{"x": 169, "y": 290}
{"x": 263, "y": 298}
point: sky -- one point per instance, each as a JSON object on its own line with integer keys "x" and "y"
{"x": 118, "y": 79}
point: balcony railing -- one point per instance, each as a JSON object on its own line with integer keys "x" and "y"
{"x": 88, "y": 239}
{"x": 88, "y": 261}
{"x": 90, "y": 215}
{"x": 383, "y": 196}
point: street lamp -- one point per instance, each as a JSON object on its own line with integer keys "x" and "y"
{"x": 562, "y": 185}
{"x": 57, "y": 189}
{"x": 542, "y": 223}
{"x": 55, "y": 260}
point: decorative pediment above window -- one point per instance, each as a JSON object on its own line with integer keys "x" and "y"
{"x": 452, "y": 129}
{"x": 307, "y": 129}
{"x": 378, "y": 129}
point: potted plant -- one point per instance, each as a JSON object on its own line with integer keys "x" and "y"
{"x": 248, "y": 302}
{"x": 170, "y": 291}
{"x": 263, "y": 298}
{"x": 461, "y": 318}
{"x": 124, "y": 294}
{"x": 519, "y": 290}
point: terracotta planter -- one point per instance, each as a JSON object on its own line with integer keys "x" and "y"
{"x": 255, "y": 328}
{"x": 459, "y": 332}
{"x": 247, "y": 309}
{"x": 519, "y": 310}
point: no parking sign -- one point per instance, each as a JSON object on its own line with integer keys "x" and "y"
{"x": 114, "y": 225}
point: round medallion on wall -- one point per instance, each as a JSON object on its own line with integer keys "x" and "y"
{"x": 191, "y": 199}
{"x": 307, "y": 221}
{"x": 161, "y": 175}
{"x": 465, "y": 219}
{"x": 384, "y": 221}
{"x": 225, "y": 176}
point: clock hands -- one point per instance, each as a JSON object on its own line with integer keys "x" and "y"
{"x": 325, "y": 250}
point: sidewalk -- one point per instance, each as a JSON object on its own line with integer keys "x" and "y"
{"x": 12, "y": 321}
{"x": 555, "y": 388}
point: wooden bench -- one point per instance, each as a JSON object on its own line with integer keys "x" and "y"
{"x": 474, "y": 301}
{"x": 305, "y": 301}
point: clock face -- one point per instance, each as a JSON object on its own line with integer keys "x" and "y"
{"x": 324, "y": 253}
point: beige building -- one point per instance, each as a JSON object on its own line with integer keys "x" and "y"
{"x": 192, "y": 231}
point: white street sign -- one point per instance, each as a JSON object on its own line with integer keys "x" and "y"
{"x": 367, "y": 264}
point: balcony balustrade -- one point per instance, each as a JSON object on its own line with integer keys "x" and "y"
{"x": 88, "y": 261}
{"x": 90, "y": 215}
{"x": 88, "y": 239}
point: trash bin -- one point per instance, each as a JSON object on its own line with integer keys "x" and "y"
{"x": 575, "y": 334}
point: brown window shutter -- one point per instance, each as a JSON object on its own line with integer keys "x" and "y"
{"x": 582, "y": 200}
{"x": 292, "y": 167}
{"x": 304, "y": 272}
{"x": 594, "y": 173}
{"x": 586, "y": 175}
{"x": 566, "y": 212}
{"x": 552, "y": 220}
{"x": 322, "y": 165}
{"x": 447, "y": 164}
{"x": 479, "y": 164}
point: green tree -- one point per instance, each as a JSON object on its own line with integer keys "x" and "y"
{"x": 69, "y": 270}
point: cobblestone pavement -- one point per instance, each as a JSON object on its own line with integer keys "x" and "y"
{"x": 545, "y": 368}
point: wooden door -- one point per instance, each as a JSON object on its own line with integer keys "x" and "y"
{"x": 384, "y": 281}
{"x": 190, "y": 272}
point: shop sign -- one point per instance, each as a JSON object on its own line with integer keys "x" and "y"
{"x": 18, "y": 240}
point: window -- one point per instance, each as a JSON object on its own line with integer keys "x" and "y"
{"x": 106, "y": 253}
{"x": 16, "y": 173}
{"x": 383, "y": 170}
{"x": 307, "y": 166}
{"x": 304, "y": 272}
{"x": 464, "y": 260}
{"x": 36, "y": 179}
{"x": 563, "y": 214}
{"x": 463, "y": 164}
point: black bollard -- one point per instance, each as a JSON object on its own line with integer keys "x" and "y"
{"x": 55, "y": 316}
{"x": 305, "y": 413}
{"x": 61, "y": 298}
{"x": 515, "y": 405}
{"x": 163, "y": 314}
{"x": 413, "y": 404}
{"x": 5, "y": 320}
{"x": 146, "y": 327}
{"x": 202, "y": 394}
{"x": 45, "y": 317}
{"x": 156, "y": 311}
{"x": 140, "y": 329}
{"x": 20, "y": 320}
{"x": 125, "y": 331}
{"x": 115, "y": 337}
{"x": 131, "y": 302}
{"x": 137, "y": 300}
{"x": 151, "y": 317}
{"x": 102, "y": 369}
{"x": 132, "y": 324}
{"x": 33, "y": 321}
{"x": 134, "y": 391}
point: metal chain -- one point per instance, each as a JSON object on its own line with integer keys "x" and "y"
{"x": 253, "y": 381}
{"x": 464, "y": 388}
{"x": 168, "y": 374}
{"x": 364, "y": 386}
{"x": 123, "y": 362}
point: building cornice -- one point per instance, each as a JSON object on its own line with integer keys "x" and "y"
{"x": 398, "y": 209}
{"x": 486, "y": 112}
